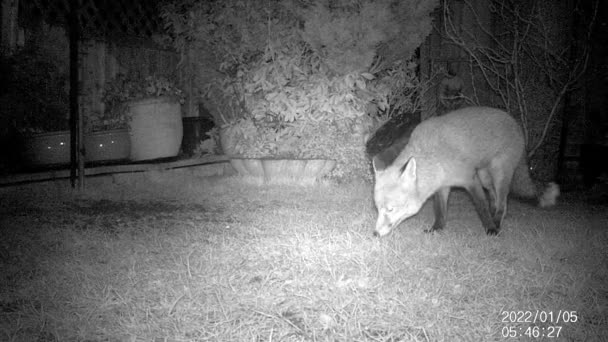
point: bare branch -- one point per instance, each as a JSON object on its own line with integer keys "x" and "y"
{"x": 513, "y": 60}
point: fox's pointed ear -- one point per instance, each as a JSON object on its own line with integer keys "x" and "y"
{"x": 408, "y": 170}
{"x": 378, "y": 164}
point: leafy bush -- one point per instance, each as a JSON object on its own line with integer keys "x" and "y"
{"x": 269, "y": 71}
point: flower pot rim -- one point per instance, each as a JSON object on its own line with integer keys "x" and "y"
{"x": 61, "y": 132}
{"x": 105, "y": 131}
{"x": 279, "y": 158}
{"x": 152, "y": 99}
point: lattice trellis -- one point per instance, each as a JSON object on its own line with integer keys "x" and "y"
{"x": 97, "y": 18}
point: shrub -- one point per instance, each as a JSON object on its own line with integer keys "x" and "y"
{"x": 273, "y": 72}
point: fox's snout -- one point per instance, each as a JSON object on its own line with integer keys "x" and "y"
{"x": 383, "y": 226}
{"x": 380, "y": 233}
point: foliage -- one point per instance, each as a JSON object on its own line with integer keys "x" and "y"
{"x": 209, "y": 145}
{"x": 131, "y": 87}
{"x": 268, "y": 70}
{"x": 398, "y": 89}
{"x": 346, "y": 36}
{"x": 358, "y": 36}
{"x": 343, "y": 141}
{"x": 33, "y": 93}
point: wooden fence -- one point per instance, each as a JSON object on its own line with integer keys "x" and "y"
{"x": 116, "y": 37}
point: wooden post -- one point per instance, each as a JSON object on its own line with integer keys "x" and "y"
{"x": 191, "y": 100}
{"x": 76, "y": 137}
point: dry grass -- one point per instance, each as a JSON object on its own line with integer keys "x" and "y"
{"x": 218, "y": 260}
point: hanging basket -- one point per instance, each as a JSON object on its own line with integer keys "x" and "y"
{"x": 156, "y": 128}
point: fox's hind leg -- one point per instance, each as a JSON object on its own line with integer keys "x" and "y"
{"x": 501, "y": 176}
{"x": 475, "y": 188}
{"x": 488, "y": 184}
{"x": 501, "y": 186}
{"x": 440, "y": 206}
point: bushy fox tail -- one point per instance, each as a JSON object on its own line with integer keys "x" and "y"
{"x": 523, "y": 186}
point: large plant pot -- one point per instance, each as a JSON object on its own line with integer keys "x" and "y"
{"x": 44, "y": 149}
{"x": 156, "y": 128}
{"x": 283, "y": 170}
{"x": 107, "y": 145}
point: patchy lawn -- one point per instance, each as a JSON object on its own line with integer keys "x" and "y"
{"x": 218, "y": 260}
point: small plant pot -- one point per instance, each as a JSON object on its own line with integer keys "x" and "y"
{"x": 195, "y": 128}
{"x": 156, "y": 128}
{"x": 46, "y": 149}
{"x": 107, "y": 145}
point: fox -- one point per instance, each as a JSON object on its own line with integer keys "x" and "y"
{"x": 480, "y": 149}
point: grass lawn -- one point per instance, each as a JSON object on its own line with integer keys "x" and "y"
{"x": 215, "y": 259}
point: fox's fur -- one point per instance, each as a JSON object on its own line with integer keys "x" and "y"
{"x": 475, "y": 148}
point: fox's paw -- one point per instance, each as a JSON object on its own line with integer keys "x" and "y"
{"x": 433, "y": 230}
{"x": 549, "y": 196}
{"x": 492, "y": 232}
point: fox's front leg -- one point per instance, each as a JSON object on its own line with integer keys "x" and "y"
{"x": 440, "y": 207}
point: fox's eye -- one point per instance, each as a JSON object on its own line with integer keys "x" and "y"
{"x": 389, "y": 209}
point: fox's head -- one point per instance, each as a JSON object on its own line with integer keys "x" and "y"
{"x": 396, "y": 194}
